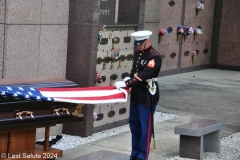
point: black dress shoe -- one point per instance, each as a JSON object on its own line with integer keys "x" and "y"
{"x": 133, "y": 158}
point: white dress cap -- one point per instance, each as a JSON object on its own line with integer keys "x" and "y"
{"x": 141, "y": 35}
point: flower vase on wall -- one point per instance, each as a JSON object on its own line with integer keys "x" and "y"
{"x": 200, "y": 7}
{"x": 161, "y": 33}
{"x": 180, "y": 31}
{"x": 197, "y": 31}
{"x": 194, "y": 56}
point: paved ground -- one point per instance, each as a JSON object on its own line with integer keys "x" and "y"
{"x": 206, "y": 94}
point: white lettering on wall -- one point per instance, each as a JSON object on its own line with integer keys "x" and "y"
{"x": 104, "y": 12}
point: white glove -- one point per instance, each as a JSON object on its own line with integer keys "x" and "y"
{"x": 126, "y": 78}
{"x": 120, "y": 84}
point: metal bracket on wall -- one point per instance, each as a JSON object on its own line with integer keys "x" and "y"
{"x": 106, "y": 59}
{"x": 186, "y": 53}
{"x": 113, "y": 77}
{"x": 111, "y": 113}
{"x": 199, "y": 27}
{"x": 122, "y": 111}
{"x": 124, "y": 75}
{"x": 205, "y": 51}
{"x": 126, "y": 39}
{"x": 173, "y": 55}
{"x": 100, "y": 115}
{"x": 99, "y": 60}
{"x": 171, "y": 3}
{"x": 115, "y": 40}
{"x": 169, "y": 29}
{"x": 104, "y": 41}
{"x": 197, "y": 51}
{"x": 104, "y": 78}
{"x": 129, "y": 57}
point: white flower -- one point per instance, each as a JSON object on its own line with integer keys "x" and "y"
{"x": 200, "y": 6}
{"x": 198, "y": 31}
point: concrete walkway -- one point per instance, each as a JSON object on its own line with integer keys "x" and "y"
{"x": 206, "y": 94}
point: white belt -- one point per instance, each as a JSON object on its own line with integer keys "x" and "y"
{"x": 155, "y": 79}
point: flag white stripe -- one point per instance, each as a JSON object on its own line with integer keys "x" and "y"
{"x": 90, "y": 101}
{"x": 64, "y": 98}
{"x": 94, "y": 93}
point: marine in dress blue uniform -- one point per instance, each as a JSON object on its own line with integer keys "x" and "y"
{"x": 144, "y": 93}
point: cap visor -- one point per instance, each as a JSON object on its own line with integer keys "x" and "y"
{"x": 139, "y": 42}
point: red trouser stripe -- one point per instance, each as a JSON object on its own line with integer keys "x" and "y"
{"x": 149, "y": 136}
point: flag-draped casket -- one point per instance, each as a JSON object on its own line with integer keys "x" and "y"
{"x": 22, "y": 110}
{"x": 30, "y": 103}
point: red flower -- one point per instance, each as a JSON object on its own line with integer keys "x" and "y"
{"x": 98, "y": 77}
{"x": 161, "y": 32}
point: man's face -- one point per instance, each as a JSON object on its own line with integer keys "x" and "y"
{"x": 141, "y": 46}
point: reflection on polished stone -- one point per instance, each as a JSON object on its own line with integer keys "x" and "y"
{"x": 104, "y": 155}
{"x": 199, "y": 127}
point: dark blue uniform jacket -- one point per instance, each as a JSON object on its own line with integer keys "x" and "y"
{"x": 146, "y": 65}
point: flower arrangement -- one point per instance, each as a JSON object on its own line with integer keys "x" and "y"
{"x": 194, "y": 56}
{"x": 98, "y": 77}
{"x": 161, "y": 33}
{"x": 188, "y": 30}
{"x": 100, "y": 30}
{"x": 199, "y": 7}
{"x": 95, "y": 116}
{"x": 197, "y": 31}
{"x": 180, "y": 31}
{"x": 114, "y": 56}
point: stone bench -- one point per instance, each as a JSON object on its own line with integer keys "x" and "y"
{"x": 198, "y": 136}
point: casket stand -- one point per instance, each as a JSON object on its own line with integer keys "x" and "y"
{"x": 19, "y": 120}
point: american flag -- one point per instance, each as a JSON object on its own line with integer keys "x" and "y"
{"x": 87, "y": 95}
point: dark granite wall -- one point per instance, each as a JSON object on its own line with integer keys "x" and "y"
{"x": 129, "y": 12}
{"x": 216, "y": 32}
{"x": 107, "y": 12}
{"x": 81, "y": 56}
{"x": 228, "y": 54}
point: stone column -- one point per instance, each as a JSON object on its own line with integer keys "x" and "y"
{"x": 81, "y": 56}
